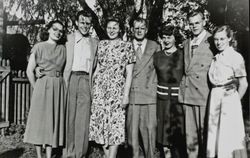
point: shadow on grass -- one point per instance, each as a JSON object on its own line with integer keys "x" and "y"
{"x": 15, "y": 153}
{"x": 96, "y": 151}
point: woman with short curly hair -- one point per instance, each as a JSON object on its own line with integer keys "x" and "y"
{"x": 226, "y": 134}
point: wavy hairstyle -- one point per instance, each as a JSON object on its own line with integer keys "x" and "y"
{"x": 116, "y": 19}
{"x": 230, "y": 34}
{"x": 44, "y": 34}
{"x": 169, "y": 30}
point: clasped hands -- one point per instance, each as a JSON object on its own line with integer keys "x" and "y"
{"x": 39, "y": 72}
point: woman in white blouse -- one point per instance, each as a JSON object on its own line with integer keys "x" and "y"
{"x": 226, "y": 134}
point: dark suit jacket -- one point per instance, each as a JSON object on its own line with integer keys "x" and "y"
{"x": 70, "y": 56}
{"x": 194, "y": 87}
{"x": 144, "y": 82}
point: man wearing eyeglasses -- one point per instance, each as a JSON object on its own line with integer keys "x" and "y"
{"x": 194, "y": 89}
{"x": 81, "y": 50}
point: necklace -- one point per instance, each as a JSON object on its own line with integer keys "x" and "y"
{"x": 168, "y": 53}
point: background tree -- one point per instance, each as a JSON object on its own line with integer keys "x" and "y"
{"x": 158, "y": 12}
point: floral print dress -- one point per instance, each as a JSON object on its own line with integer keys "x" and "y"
{"x": 107, "y": 120}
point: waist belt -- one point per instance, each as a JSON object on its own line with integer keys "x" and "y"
{"x": 167, "y": 90}
{"x": 80, "y": 73}
{"x": 53, "y": 73}
{"x": 226, "y": 84}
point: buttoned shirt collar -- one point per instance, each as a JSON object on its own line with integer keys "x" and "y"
{"x": 82, "y": 53}
{"x": 143, "y": 42}
{"x": 197, "y": 40}
{"x": 225, "y": 53}
{"x": 79, "y": 36}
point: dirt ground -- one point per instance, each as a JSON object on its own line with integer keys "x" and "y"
{"x": 12, "y": 146}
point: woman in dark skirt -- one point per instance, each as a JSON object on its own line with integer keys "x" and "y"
{"x": 170, "y": 115}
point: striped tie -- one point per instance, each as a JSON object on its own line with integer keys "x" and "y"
{"x": 139, "y": 50}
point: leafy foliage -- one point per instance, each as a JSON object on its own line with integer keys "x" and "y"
{"x": 157, "y": 11}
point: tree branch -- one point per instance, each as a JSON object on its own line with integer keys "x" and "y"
{"x": 155, "y": 19}
{"x": 104, "y": 9}
{"x": 136, "y": 14}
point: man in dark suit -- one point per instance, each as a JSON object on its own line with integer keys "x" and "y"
{"x": 141, "y": 117}
{"x": 194, "y": 89}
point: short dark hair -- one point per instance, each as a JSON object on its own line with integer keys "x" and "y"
{"x": 44, "y": 34}
{"x": 169, "y": 30}
{"x": 83, "y": 13}
{"x": 51, "y": 23}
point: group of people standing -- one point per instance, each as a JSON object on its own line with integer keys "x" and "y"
{"x": 112, "y": 90}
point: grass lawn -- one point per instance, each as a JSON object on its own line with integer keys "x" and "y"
{"x": 12, "y": 146}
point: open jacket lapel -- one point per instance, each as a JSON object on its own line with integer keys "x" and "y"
{"x": 187, "y": 55}
{"x": 70, "y": 50}
{"x": 145, "y": 58}
{"x": 93, "y": 47}
{"x": 195, "y": 56}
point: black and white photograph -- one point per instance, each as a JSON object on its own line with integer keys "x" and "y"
{"x": 124, "y": 79}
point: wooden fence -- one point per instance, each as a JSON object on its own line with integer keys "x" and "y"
{"x": 15, "y": 93}
{"x": 21, "y": 94}
{"x": 4, "y": 93}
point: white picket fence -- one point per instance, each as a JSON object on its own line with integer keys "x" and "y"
{"x": 15, "y": 93}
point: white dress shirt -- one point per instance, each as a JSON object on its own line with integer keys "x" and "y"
{"x": 197, "y": 40}
{"x": 143, "y": 44}
{"x": 82, "y": 53}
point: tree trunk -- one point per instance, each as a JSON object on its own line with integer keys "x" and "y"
{"x": 1, "y": 29}
{"x": 155, "y": 18}
{"x": 99, "y": 30}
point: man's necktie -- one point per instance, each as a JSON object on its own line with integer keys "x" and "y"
{"x": 139, "y": 50}
{"x": 193, "y": 47}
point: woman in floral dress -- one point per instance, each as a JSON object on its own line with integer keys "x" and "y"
{"x": 45, "y": 124}
{"x": 111, "y": 85}
{"x": 226, "y": 134}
